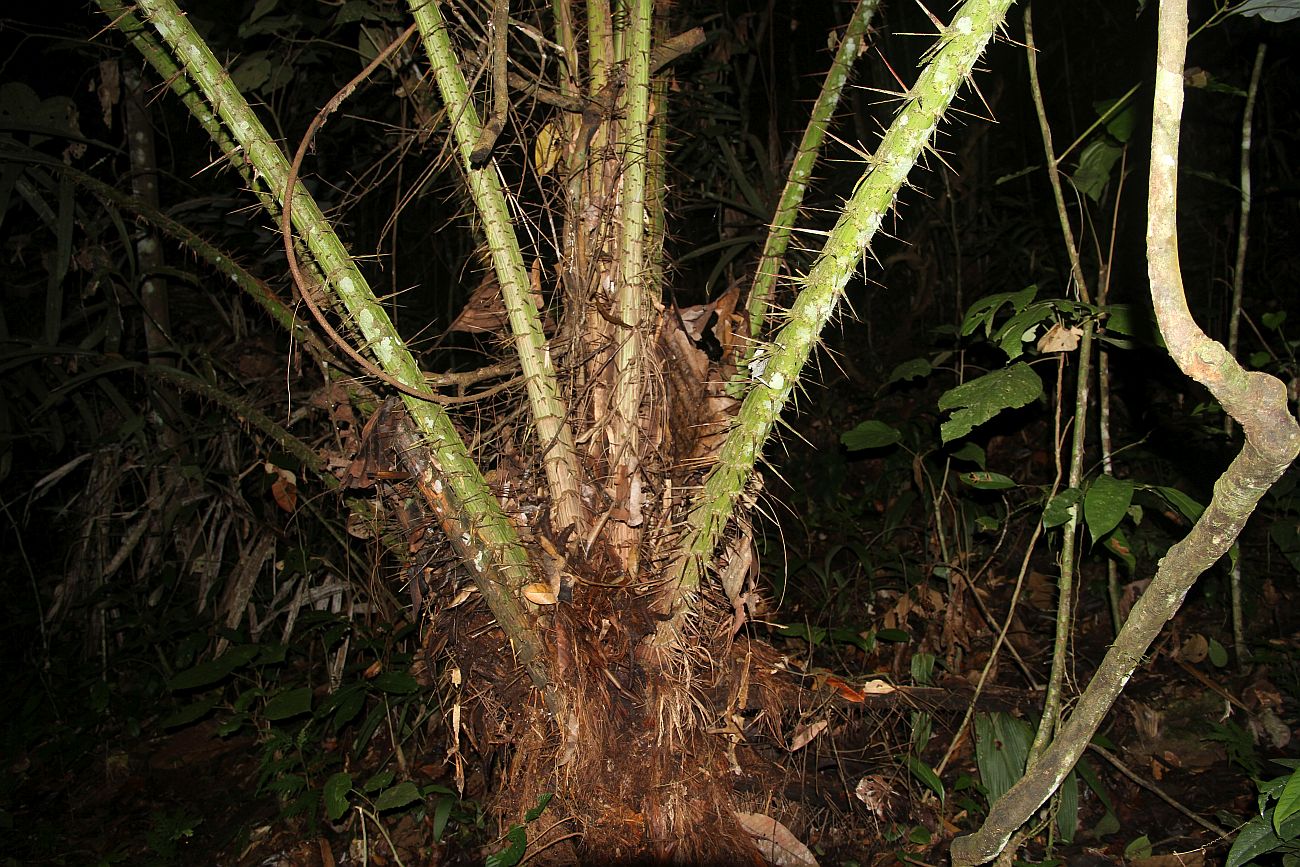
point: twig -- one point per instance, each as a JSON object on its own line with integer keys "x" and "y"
{"x": 496, "y": 119}
{"x": 1158, "y": 792}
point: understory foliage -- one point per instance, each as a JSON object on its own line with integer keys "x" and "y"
{"x": 411, "y": 426}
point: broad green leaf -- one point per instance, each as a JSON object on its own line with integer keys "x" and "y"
{"x": 401, "y": 795}
{"x": 214, "y": 670}
{"x": 1022, "y": 328}
{"x": 895, "y": 635}
{"x": 1120, "y": 124}
{"x": 1001, "y": 749}
{"x": 970, "y": 452}
{"x": 378, "y": 781}
{"x": 1118, "y": 547}
{"x": 1218, "y": 654}
{"x": 347, "y": 704}
{"x": 975, "y": 402}
{"x": 441, "y": 813}
{"x": 1288, "y": 803}
{"x": 1186, "y": 506}
{"x": 288, "y": 704}
{"x": 1139, "y": 848}
{"x": 1275, "y": 11}
{"x": 986, "y": 481}
{"x": 191, "y": 713}
{"x": 870, "y": 435}
{"x": 1273, "y": 320}
{"x": 513, "y": 853}
{"x": 917, "y": 368}
{"x": 923, "y": 668}
{"x": 253, "y": 71}
{"x": 1255, "y": 839}
{"x": 814, "y": 635}
{"x": 1108, "y": 824}
{"x": 926, "y": 775}
{"x": 536, "y": 812}
{"x": 336, "y": 795}
{"x": 263, "y": 8}
{"x": 1057, "y": 510}
{"x": 1105, "y": 504}
{"x": 1095, "y": 165}
{"x": 1067, "y": 817}
{"x": 395, "y": 682}
{"x": 984, "y": 310}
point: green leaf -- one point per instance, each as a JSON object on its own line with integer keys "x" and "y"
{"x": 981, "y": 399}
{"x": 379, "y": 781}
{"x": 1255, "y": 839}
{"x": 263, "y": 7}
{"x": 214, "y": 670}
{"x": 986, "y": 481}
{"x": 1105, "y": 504}
{"x": 870, "y": 435}
{"x": 1067, "y": 817}
{"x": 917, "y": 368}
{"x": 1095, "y": 165}
{"x": 1273, "y": 320}
{"x": 536, "y": 812}
{"x": 251, "y": 72}
{"x": 441, "y": 813}
{"x": 336, "y": 795}
{"x": 1127, "y": 320}
{"x": 513, "y": 853}
{"x": 970, "y": 452}
{"x": 895, "y": 635}
{"x": 1288, "y": 803}
{"x": 1022, "y": 328}
{"x": 926, "y": 775}
{"x": 1121, "y": 123}
{"x": 348, "y": 703}
{"x": 1108, "y": 824}
{"x": 1139, "y": 848}
{"x": 288, "y": 704}
{"x": 191, "y": 713}
{"x": 1117, "y": 546}
{"x": 230, "y": 726}
{"x": 1001, "y": 749}
{"x": 984, "y": 310}
{"x": 1275, "y": 11}
{"x": 923, "y": 668}
{"x": 401, "y": 795}
{"x": 814, "y": 635}
{"x": 1185, "y": 505}
{"x": 1057, "y": 510}
{"x": 1218, "y": 654}
{"x": 395, "y": 683}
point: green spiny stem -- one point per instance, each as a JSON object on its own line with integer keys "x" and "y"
{"x": 632, "y": 294}
{"x": 492, "y": 537}
{"x": 525, "y": 322}
{"x": 778, "y": 366}
{"x": 787, "y": 209}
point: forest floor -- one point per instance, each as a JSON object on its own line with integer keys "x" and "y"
{"x": 1194, "y": 732}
